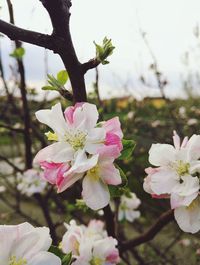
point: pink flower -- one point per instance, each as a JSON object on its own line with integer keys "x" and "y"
{"x": 82, "y": 149}
{"x": 114, "y": 133}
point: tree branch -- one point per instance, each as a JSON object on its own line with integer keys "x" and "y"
{"x": 59, "y": 12}
{"x": 109, "y": 220}
{"x": 32, "y": 37}
{"x": 11, "y": 164}
{"x": 91, "y": 64}
{"x": 161, "y": 222}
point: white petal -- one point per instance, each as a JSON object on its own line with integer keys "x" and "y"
{"x": 53, "y": 118}
{"x": 24, "y": 245}
{"x": 194, "y": 167}
{"x": 95, "y": 193}
{"x": 8, "y": 236}
{"x": 82, "y": 163}
{"x": 132, "y": 215}
{"x": 193, "y": 147}
{"x": 95, "y": 140}
{"x": 163, "y": 181}
{"x": 188, "y": 218}
{"x": 44, "y": 258}
{"x": 184, "y": 193}
{"x": 86, "y": 116}
{"x": 161, "y": 154}
{"x": 58, "y": 153}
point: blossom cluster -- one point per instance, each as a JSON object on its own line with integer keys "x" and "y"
{"x": 31, "y": 182}
{"x": 90, "y": 245}
{"x": 127, "y": 207}
{"x": 25, "y": 245}
{"x": 82, "y": 149}
{"x": 176, "y": 176}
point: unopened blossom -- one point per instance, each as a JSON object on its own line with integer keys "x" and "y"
{"x": 90, "y": 244}
{"x": 72, "y": 238}
{"x": 128, "y": 206}
{"x": 25, "y": 245}
{"x": 30, "y": 182}
{"x": 176, "y": 177}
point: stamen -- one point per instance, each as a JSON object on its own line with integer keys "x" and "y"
{"x": 14, "y": 261}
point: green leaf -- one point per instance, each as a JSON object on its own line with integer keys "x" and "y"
{"x": 62, "y": 77}
{"x": 128, "y": 148}
{"x": 66, "y": 260}
{"x": 57, "y": 251}
{"x": 117, "y": 191}
{"x": 49, "y": 88}
{"x": 18, "y": 53}
{"x": 104, "y": 51}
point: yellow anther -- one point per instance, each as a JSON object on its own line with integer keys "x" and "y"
{"x": 182, "y": 168}
{"x": 96, "y": 261}
{"x": 51, "y": 136}
{"x": 93, "y": 173}
{"x": 14, "y": 261}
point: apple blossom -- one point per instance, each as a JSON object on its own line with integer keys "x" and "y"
{"x": 128, "y": 206}
{"x": 25, "y": 245}
{"x": 90, "y": 244}
{"x": 30, "y": 182}
{"x": 97, "y": 177}
{"x": 176, "y": 167}
{"x": 83, "y": 149}
{"x": 100, "y": 252}
{"x": 176, "y": 177}
{"x": 75, "y": 132}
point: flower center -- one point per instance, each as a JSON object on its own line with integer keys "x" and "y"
{"x": 14, "y": 261}
{"x": 182, "y": 168}
{"x": 93, "y": 173}
{"x": 76, "y": 139}
{"x": 96, "y": 261}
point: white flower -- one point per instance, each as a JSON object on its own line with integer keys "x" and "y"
{"x": 90, "y": 244}
{"x": 127, "y": 207}
{"x": 188, "y": 217}
{"x": 182, "y": 112}
{"x": 2, "y": 189}
{"x": 192, "y": 122}
{"x": 74, "y": 133}
{"x": 176, "y": 166}
{"x": 25, "y": 245}
{"x": 100, "y": 252}
{"x": 176, "y": 176}
{"x": 30, "y": 182}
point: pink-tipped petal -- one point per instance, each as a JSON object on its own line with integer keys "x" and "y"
{"x": 113, "y": 126}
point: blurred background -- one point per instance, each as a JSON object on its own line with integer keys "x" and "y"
{"x": 152, "y": 83}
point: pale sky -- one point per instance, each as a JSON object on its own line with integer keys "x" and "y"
{"x": 168, "y": 23}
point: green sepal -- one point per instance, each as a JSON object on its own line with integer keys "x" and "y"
{"x": 128, "y": 148}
